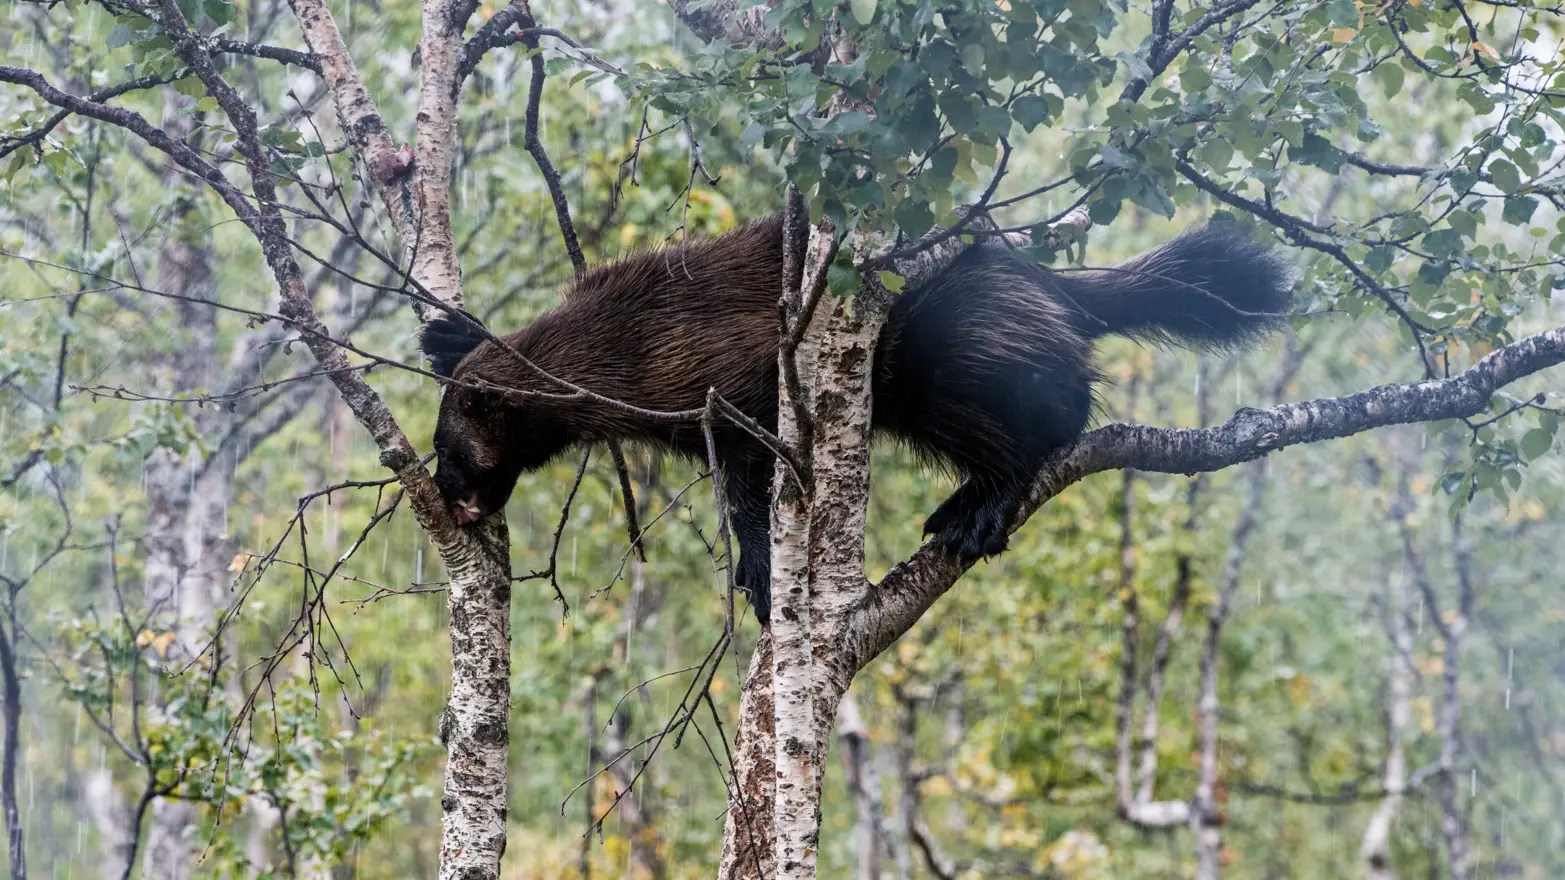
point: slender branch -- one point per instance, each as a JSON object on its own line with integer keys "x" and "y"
{"x": 134, "y": 122}
{"x": 11, "y": 144}
{"x": 534, "y": 146}
{"x": 307, "y": 60}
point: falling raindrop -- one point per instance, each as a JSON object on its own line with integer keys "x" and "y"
{"x": 1238, "y": 387}
{"x": 573, "y": 555}
{"x": 385, "y": 548}
{"x": 1510, "y": 661}
{"x": 418, "y": 566}
{"x": 1473, "y": 785}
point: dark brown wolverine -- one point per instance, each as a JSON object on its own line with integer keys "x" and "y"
{"x": 987, "y": 368}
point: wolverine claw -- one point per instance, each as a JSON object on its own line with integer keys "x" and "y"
{"x": 972, "y": 523}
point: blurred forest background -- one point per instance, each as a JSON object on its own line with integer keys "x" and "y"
{"x": 155, "y": 553}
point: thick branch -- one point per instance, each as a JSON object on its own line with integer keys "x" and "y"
{"x": 721, "y": 19}
{"x": 910, "y": 588}
{"x": 357, "y": 114}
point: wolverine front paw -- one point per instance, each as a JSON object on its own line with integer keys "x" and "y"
{"x": 973, "y": 522}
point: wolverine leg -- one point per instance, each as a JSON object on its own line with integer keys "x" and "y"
{"x": 747, "y": 484}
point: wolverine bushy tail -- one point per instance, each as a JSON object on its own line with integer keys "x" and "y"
{"x": 1213, "y": 287}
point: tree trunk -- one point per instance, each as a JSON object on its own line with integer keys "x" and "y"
{"x": 1376, "y": 847}
{"x": 105, "y": 807}
{"x": 858, "y": 760}
{"x": 177, "y": 600}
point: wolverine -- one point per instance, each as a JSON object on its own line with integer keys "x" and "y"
{"x": 985, "y": 369}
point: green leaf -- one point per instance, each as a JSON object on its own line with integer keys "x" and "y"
{"x": 914, "y": 217}
{"x": 1216, "y": 154}
{"x": 1518, "y": 209}
{"x": 891, "y": 281}
{"x": 556, "y": 66}
{"x": 863, "y": 10}
{"x": 1391, "y": 77}
{"x": 120, "y": 36}
{"x": 1031, "y": 111}
{"x": 1535, "y": 443}
{"x": 1465, "y": 222}
{"x": 1195, "y": 79}
{"x": 1505, "y": 176}
{"x": 219, "y": 11}
{"x": 18, "y": 162}
{"x": 207, "y": 104}
{"x": 752, "y": 135}
{"x": 1138, "y": 67}
{"x": 1443, "y": 242}
{"x": 190, "y": 87}
{"x": 842, "y": 279}
{"x": 1103, "y": 211}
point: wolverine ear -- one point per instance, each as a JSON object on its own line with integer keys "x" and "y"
{"x": 445, "y": 341}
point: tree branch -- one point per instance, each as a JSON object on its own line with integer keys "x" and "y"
{"x": 911, "y": 587}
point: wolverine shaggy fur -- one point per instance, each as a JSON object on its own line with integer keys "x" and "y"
{"x": 987, "y": 368}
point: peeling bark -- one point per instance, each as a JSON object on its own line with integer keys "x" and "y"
{"x": 748, "y": 848}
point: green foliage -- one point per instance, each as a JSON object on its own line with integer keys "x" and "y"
{"x": 331, "y": 789}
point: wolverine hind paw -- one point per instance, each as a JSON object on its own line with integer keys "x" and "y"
{"x": 973, "y": 522}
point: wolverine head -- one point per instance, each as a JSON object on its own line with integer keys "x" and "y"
{"x": 484, "y": 438}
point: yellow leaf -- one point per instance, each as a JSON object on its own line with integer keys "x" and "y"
{"x": 239, "y": 561}
{"x": 161, "y": 643}
{"x": 1487, "y": 49}
{"x": 1343, "y": 34}
{"x": 144, "y": 638}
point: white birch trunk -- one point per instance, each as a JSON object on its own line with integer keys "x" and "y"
{"x": 1375, "y": 849}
